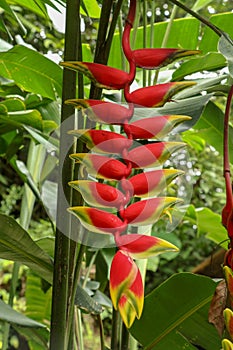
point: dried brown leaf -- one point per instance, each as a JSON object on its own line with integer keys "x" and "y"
{"x": 217, "y": 306}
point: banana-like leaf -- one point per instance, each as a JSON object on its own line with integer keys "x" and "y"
{"x": 17, "y": 245}
{"x": 175, "y": 315}
{"x": 7, "y": 314}
{"x": 31, "y": 71}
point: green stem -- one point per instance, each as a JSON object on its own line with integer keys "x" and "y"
{"x": 144, "y": 72}
{"x": 59, "y": 338}
{"x": 102, "y": 345}
{"x": 124, "y": 338}
{"x": 169, "y": 26}
{"x": 116, "y": 321}
{"x": 152, "y": 34}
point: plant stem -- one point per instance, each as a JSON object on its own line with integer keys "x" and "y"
{"x": 101, "y": 332}
{"x": 144, "y": 73}
{"x": 226, "y": 161}
{"x": 169, "y": 26}
{"x": 58, "y": 338}
{"x": 115, "y": 330}
{"x": 124, "y": 338}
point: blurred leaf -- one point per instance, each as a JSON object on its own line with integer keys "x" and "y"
{"x": 209, "y": 224}
{"x": 31, "y": 71}
{"x": 210, "y": 127}
{"x": 199, "y": 4}
{"x": 9, "y": 315}
{"x": 49, "y": 198}
{"x": 14, "y": 104}
{"x": 17, "y": 245}
{"x": 175, "y": 315}
{"x": 225, "y": 46}
{"x": 209, "y": 41}
{"x": 46, "y": 244}
{"x": 209, "y": 62}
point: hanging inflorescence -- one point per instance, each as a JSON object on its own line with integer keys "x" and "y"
{"x": 116, "y": 158}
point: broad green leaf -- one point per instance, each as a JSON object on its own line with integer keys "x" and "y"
{"x": 17, "y": 120}
{"x": 210, "y": 127}
{"x": 17, "y": 245}
{"x": 7, "y": 314}
{"x": 50, "y": 143}
{"x": 184, "y": 34}
{"x": 209, "y": 41}
{"x": 225, "y": 46}
{"x": 31, "y": 71}
{"x": 210, "y": 61}
{"x": 175, "y": 315}
{"x": 199, "y": 4}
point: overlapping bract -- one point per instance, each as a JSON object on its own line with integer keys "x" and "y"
{"x": 114, "y": 158}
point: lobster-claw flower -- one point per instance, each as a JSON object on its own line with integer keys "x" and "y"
{"x": 98, "y": 194}
{"x": 126, "y": 287}
{"x": 153, "y": 154}
{"x": 156, "y": 58}
{"x": 101, "y": 111}
{"x": 143, "y": 246}
{"x": 155, "y": 127}
{"x": 103, "y": 141}
{"x": 131, "y": 303}
{"x": 157, "y": 95}
{"x": 228, "y": 317}
{"x": 151, "y": 183}
{"x": 146, "y": 212}
{"x": 227, "y": 344}
{"x": 101, "y": 75}
{"x": 102, "y": 167}
{"x": 99, "y": 221}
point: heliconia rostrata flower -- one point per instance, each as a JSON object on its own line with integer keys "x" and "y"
{"x": 118, "y": 161}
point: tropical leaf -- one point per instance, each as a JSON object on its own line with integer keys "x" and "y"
{"x": 175, "y": 315}
{"x": 225, "y": 46}
{"x": 7, "y": 314}
{"x": 17, "y": 245}
{"x": 210, "y": 127}
{"x": 31, "y": 71}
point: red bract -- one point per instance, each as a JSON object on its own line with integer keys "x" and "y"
{"x": 103, "y": 112}
{"x": 153, "y": 154}
{"x": 142, "y": 246}
{"x": 155, "y": 127}
{"x": 148, "y": 211}
{"x": 151, "y": 183}
{"x": 157, "y": 95}
{"x": 97, "y": 220}
{"x": 157, "y": 58}
{"x": 102, "y": 167}
{"x": 102, "y": 140}
{"x": 98, "y": 194}
{"x": 101, "y": 75}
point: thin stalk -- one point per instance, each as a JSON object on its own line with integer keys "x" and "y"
{"x": 79, "y": 329}
{"x": 169, "y": 26}
{"x": 59, "y": 338}
{"x": 226, "y": 160}
{"x": 89, "y": 268}
{"x": 144, "y": 72}
{"x": 102, "y": 345}
{"x": 152, "y": 34}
